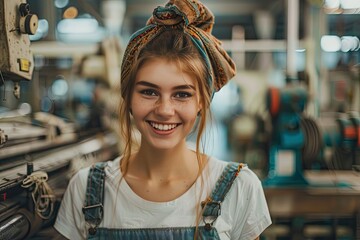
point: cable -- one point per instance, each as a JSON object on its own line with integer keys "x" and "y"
{"x": 41, "y": 193}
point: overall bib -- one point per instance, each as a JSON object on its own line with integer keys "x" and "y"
{"x": 93, "y": 210}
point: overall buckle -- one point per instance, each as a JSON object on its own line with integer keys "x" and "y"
{"x": 210, "y": 219}
{"x": 85, "y": 208}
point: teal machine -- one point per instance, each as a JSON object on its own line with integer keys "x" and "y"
{"x": 290, "y": 137}
{"x": 287, "y": 139}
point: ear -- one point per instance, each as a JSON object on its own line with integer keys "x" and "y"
{"x": 200, "y": 107}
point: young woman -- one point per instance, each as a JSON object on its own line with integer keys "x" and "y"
{"x": 162, "y": 189}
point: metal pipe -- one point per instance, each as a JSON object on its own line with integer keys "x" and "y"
{"x": 292, "y": 37}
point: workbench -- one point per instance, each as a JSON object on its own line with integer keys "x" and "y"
{"x": 331, "y": 195}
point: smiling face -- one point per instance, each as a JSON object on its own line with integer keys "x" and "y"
{"x": 164, "y": 104}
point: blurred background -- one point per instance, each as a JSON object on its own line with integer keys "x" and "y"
{"x": 292, "y": 112}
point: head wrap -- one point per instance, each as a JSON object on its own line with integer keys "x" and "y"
{"x": 197, "y": 21}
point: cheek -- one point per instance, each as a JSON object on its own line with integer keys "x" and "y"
{"x": 139, "y": 106}
{"x": 189, "y": 110}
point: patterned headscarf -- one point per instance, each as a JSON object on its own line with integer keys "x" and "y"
{"x": 197, "y": 21}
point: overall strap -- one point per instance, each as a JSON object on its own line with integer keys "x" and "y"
{"x": 94, "y": 197}
{"x": 212, "y": 205}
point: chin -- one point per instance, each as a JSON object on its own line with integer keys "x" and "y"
{"x": 164, "y": 144}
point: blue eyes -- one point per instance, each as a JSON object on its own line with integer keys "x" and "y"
{"x": 150, "y": 93}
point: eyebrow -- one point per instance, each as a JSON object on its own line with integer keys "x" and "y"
{"x": 179, "y": 87}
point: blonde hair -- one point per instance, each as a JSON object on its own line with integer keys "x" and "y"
{"x": 177, "y": 47}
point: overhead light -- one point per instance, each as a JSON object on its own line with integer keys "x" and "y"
{"x": 330, "y": 43}
{"x": 81, "y": 30}
{"x": 332, "y": 4}
{"x": 350, "y": 4}
{"x": 77, "y": 25}
{"x": 342, "y": 6}
{"x": 61, "y": 3}
{"x": 349, "y": 43}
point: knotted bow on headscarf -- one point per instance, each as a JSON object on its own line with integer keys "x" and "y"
{"x": 197, "y": 21}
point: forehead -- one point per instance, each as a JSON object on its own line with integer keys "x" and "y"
{"x": 164, "y": 72}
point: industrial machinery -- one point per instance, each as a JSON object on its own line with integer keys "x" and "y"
{"x": 40, "y": 155}
{"x": 16, "y": 23}
{"x": 298, "y": 142}
{"x": 39, "y": 151}
{"x": 287, "y": 139}
{"x": 35, "y": 169}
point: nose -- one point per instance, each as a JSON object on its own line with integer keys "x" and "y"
{"x": 165, "y": 107}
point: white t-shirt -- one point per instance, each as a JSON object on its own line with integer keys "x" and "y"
{"x": 244, "y": 212}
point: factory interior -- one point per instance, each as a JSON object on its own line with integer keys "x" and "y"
{"x": 291, "y": 113}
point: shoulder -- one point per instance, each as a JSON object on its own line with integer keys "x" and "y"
{"x": 245, "y": 182}
{"x": 245, "y": 185}
{"x": 245, "y": 207}
{"x": 79, "y": 179}
{"x": 216, "y": 166}
{"x": 245, "y": 177}
{"x": 113, "y": 167}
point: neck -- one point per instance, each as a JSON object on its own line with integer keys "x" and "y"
{"x": 166, "y": 164}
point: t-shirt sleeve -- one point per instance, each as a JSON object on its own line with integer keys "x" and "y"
{"x": 252, "y": 214}
{"x": 70, "y": 220}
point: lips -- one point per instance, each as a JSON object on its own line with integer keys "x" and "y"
{"x": 163, "y": 126}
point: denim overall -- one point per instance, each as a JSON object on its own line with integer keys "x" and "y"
{"x": 93, "y": 210}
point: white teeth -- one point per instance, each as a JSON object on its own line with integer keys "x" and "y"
{"x": 163, "y": 127}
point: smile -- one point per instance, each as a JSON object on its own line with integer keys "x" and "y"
{"x": 163, "y": 127}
